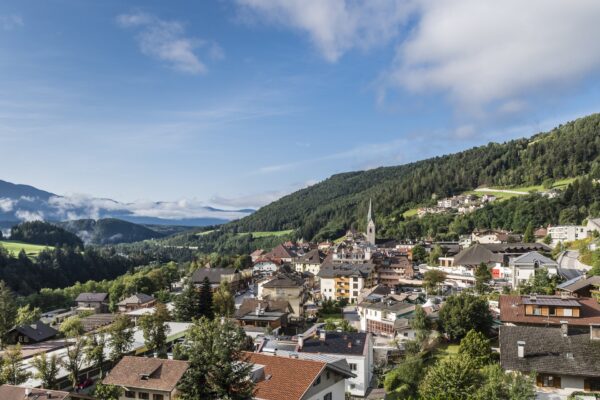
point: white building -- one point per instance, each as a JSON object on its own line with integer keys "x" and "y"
{"x": 568, "y": 233}
{"x": 380, "y": 317}
{"x": 345, "y": 281}
{"x": 523, "y": 268}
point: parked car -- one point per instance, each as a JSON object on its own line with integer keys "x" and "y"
{"x": 84, "y": 384}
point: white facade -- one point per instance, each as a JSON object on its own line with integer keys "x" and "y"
{"x": 330, "y": 291}
{"x": 307, "y": 267}
{"x": 337, "y": 391}
{"x": 265, "y": 266}
{"x": 567, "y": 233}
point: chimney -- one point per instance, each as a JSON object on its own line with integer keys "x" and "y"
{"x": 350, "y": 344}
{"x": 322, "y": 334}
{"x": 521, "y": 349}
{"x": 300, "y": 342}
{"x": 564, "y": 328}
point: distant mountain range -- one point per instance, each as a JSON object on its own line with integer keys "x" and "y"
{"x": 27, "y": 203}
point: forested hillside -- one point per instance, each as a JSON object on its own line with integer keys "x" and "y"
{"x": 44, "y": 233}
{"x": 326, "y": 209}
{"x": 109, "y": 231}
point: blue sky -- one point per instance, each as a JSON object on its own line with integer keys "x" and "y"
{"x": 235, "y": 103}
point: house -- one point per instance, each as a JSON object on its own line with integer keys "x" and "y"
{"x": 494, "y": 254}
{"x": 31, "y": 333}
{"x": 381, "y": 316}
{"x": 537, "y": 310}
{"x": 523, "y": 268}
{"x": 593, "y": 224}
{"x": 345, "y": 281}
{"x": 96, "y": 302}
{"x": 489, "y": 236}
{"x": 392, "y": 271}
{"x": 355, "y": 347}
{"x": 256, "y": 254}
{"x": 293, "y": 378}
{"x": 263, "y": 313}
{"x": 563, "y": 360}
{"x": 136, "y": 301}
{"x": 287, "y": 287}
{"x": 580, "y": 286}
{"x": 147, "y": 378}
{"x": 309, "y": 262}
{"x": 281, "y": 253}
{"x": 10, "y": 392}
{"x": 237, "y": 279}
{"x": 265, "y": 266}
{"x": 568, "y": 233}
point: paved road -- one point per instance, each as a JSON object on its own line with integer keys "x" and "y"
{"x": 569, "y": 265}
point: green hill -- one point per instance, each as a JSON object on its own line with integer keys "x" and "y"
{"x": 328, "y": 208}
{"x": 109, "y": 231}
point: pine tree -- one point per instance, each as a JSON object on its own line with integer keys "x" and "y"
{"x": 217, "y": 370}
{"x": 206, "y": 300}
{"x": 528, "y": 235}
{"x": 8, "y": 311}
{"x": 187, "y": 304}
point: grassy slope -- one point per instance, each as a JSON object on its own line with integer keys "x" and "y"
{"x": 268, "y": 233}
{"x": 14, "y": 248}
{"x": 559, "y": 184}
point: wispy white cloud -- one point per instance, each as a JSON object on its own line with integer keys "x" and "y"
{"x": 10, "y": 22}
{"x": 167, "y": 41}
{"x": 334, "y": 26}
{"x": 25, "y": 215}
{"x": 6, "y": 204}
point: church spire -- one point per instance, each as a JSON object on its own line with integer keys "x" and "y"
{"x": 370, "y": 225}
{"x": 369, "y": 215}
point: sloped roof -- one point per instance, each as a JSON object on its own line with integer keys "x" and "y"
{"x": 214, "y": 274}
{"x": 579, "y": 283}
{"x": 92, "y": 297}
{"x": 347, "y": 270}
{"x": 138, "y": 298}
{"x": 475, "y": 255}
{"x": 548, "y": 351}
{"x": 249, "y": 306}
{"x": 37, "y": 331}
{"x": 314, "y": 256}
{"x": 512, "y": 310}
{"x": 147, "y": 373}
{"x": 280, "y": 251}
{"x": 10, "y": 392}
{"x": 289, "y": 378}
{"x": 285, "y": 281}
{"x": 531, "y": 258}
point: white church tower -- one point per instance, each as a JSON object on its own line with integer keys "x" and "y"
{"x": 370, "y": 226}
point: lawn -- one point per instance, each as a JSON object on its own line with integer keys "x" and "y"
{"x": 204, "y": 233}
{"x": 410, "y": 213}
{"x": 559, "y": 184}
{"x": 268, "y": 233}
{"x": 443, "y": 350}
{"x": 14, "y": 248}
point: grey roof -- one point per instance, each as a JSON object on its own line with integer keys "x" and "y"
{"x": 550, "y": 301}
{"x": 314, "y": 256}
{"x": 347, "y": 270}
{"x": 214, "y": 274}
{"x": 548, "y": 351}
{"x": 285, "y": 281}
{"x": 38, "y": 331}
{"x": 494, "y": 252}
{"x": 391, "y": 305}
{"x": 92, "y": 297}
{"x": 533, "y": 257}
{"x": 578, "y": 284}
{"x": 337, "y": 343}
{"x": 138, "y": 298}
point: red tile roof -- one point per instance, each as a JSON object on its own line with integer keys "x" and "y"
{"x": 512, "y": 310}
{"x": 10, "y": 392}
{"x": 289, "y": 378}
{"x": 147, "y": 373}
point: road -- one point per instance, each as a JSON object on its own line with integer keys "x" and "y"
{"x": 569, "y": 265}
{"x": 499, "y": 190}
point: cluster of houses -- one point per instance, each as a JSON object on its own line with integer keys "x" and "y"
{"x": 294, "y": 357}
{"x": 462, "y": 204}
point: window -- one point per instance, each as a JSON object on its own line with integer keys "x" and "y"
{"x": 328, "y": 396}
{"x": 568, "y": 312}
{"x": 143, "y": 395}
{"x": 353, "y": 366}
{"x": 158, "y": 397}
{"x": 129, "y": 394}
{"x": 317, "y": 381}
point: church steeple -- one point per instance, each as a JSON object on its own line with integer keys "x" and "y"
{"x": 370, "y": 225}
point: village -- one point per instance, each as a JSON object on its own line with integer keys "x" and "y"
{"x": 344, "y": 312}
